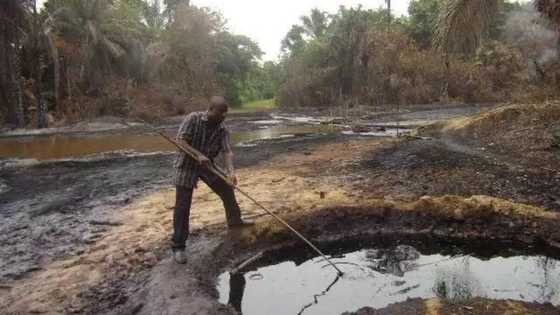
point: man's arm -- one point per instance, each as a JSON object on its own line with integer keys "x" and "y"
{"x": 202, "y": 160}
{"x": 228, "y": 158}
{"x": 186, "y": 133}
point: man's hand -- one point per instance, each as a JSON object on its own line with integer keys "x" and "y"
{"x": 204, "y": 161}
{"x": 233, "y": 180}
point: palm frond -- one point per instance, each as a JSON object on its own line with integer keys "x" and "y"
{"x": 462, "y": 23}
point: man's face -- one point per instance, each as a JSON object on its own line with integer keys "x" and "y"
{"x": 217, "y": 114}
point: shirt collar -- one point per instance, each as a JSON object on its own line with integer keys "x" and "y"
{"x": 205, "y": 119}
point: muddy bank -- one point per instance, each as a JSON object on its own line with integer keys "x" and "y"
{"x": 408, "y": 170}
{"x": 525, "y": 133}
{"x": 213, "y": 251}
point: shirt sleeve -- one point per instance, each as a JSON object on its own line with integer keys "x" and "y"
{"x": 187, "y": 129}
{"x": 226, "y": 142}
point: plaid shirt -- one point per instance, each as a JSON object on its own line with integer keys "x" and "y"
{"x": 209, "y": 140}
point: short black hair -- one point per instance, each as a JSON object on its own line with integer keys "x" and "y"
{"x": 218, "y": 101}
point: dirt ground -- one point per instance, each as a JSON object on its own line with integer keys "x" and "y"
{"x": 99, "y": 245}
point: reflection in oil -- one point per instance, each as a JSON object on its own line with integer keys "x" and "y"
{"x": 395, "y": 261}
{"x": 379, "y": 277}
{"x": 458, "y": 284}
{"x": 237, "y": 285}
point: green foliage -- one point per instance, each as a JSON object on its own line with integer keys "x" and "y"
{"x": 321, "y": 69}
{"x": 255, "y": 106}
{"x": 294, "y": 41}
{"x": 88, "y": 57}
{"x": 141, "y": 56}
{"x": 423, "y": 16}
{"x": 236, "y": 55}
{"x": 359, "y": 60}
{"x": 315, "y": 24}
{"x": 262, "y": 82}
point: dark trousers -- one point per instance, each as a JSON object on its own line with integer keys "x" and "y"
{"x": 183, "y": 200}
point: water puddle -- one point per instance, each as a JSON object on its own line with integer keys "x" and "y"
{"x": 385, "y": 133}
{"x": 267, "y": 122}
{"x": 298, "y": 118}
{"x": 65, "y": 146}
{"x": 72, "y": 146}
{"x": 377, "y": 277}
{"x": 278, "y": 127}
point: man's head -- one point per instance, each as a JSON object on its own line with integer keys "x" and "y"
{"x": 218, "y": 109}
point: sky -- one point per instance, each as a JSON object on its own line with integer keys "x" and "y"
{"x": 267, "y": 22}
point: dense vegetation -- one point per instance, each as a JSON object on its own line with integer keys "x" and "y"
{"x": 464, "y": 50}
{"x": 84, "y": 58}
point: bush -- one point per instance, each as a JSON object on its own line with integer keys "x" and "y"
{"x": 387, "y": 68}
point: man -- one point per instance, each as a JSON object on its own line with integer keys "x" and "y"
{"x": 205, "y": 132}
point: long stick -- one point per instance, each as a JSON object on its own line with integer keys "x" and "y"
{"x": 246, "y": 263}
{"x": 195, "y": 154}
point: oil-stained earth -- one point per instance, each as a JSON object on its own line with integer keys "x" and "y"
{"x": 92, "y": 235}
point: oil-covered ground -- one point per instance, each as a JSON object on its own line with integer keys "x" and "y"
{"x": 90, "y": 234}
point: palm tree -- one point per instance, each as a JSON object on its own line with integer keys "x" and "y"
{"x": 460, "y": 27}
{"x": 39, "y": 44}
{"x": 90, "y": 23}
{"x": 13, "y": 17}
{"x": 315, "y": 25}
{"x": 294, "y": 41}
{"x": 171, "y": 7}
{"x": 389, "y": 16}
{"x": 348, "y": 29}
{"x": 462, "y": 23}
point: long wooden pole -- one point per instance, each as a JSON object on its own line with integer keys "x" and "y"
{"x": 197, "y": 155}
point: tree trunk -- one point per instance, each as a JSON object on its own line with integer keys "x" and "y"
{"x": 445, "y": 89}
{"x": 4, "y": 76}
{"x": 389, "y": 16}
{"x": 42, "y": 107}
{"x": 56, "y": 65}
{"x": 37, "y": 70}
{"x": 16, "y": 87}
